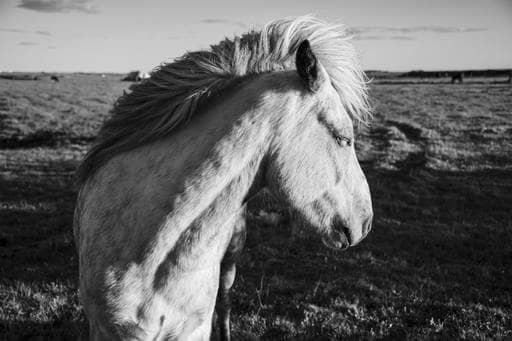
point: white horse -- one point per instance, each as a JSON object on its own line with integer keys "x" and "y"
{"x": 159, "y": 215}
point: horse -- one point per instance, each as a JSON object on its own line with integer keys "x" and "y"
{"x": 457, "y": 77}
{"x": 160, "y": 212}
{"x": 135, "y": 76}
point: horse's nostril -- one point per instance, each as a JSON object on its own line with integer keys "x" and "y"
{"x": 339, "y": 226}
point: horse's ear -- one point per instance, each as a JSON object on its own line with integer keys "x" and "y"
{"x": 307, "y": 66}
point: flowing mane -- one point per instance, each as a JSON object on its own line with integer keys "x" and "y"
{"x": 175, "y": 91}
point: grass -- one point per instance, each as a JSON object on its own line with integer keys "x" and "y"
{"x": 437, "y": 264}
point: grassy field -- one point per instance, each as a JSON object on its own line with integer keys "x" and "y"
{"x": 437, "y": 264}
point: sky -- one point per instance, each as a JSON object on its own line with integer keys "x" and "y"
{"x": 124, "y": 35}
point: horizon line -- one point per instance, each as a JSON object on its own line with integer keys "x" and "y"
{"x": 366, "y": 71}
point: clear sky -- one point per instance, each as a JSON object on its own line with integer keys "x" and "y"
{"x": 122, "y": 35}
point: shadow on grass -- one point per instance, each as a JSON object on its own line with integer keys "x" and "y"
{"x": 38, "y": 263}
{"x": 43, "y": 138}
{"x": 437, "y": 264}
{"x": 36, "y": 240}
{"x": 58, "y": 330}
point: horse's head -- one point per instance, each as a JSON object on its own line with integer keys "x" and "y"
{"x": 313, "y": 165}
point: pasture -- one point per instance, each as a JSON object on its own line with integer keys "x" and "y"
{"x": 437, "y": 264}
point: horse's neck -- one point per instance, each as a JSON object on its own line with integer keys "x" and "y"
{"x": 209, "y": 230}
{"x": 213, "y": 193}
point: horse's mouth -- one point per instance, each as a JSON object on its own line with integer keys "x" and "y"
{"x": 336, "y": 240}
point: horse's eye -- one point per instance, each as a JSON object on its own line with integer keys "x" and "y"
{"x": 342, "y": 141}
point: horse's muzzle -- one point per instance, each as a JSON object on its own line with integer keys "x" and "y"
{"x": 336, "y": 241}
{"x": 338, "y": 237}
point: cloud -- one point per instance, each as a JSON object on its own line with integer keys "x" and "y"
{"x": 414, "y": 29}
{"x": 446, "y": 29}
{"x": 405, "y": 33}
{"x": 401, "y": 38}
{"x": 59, "y": 6}
{"x": 43, "y": 33}
{"x": 370, "y": 37}
{"x": 224, "y": 22}
{"x": 383, "y": 37}
{"x": 26, "y": 43}
{"x": 14, "y": 30}
{"x": 22, "y": 31}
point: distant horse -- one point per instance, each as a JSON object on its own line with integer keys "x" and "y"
{"x": 54, "y": 78}
{"x": 160, "y": 213}
{"x": 132, "y": 76}
{"x": 136, "y": 76}
{"x": 457, "y": 77}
